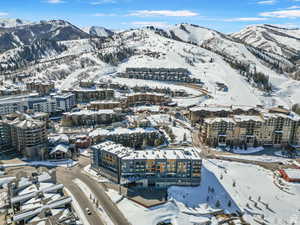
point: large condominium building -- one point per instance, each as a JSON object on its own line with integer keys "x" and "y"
{"x": 90, "y": 118}
{"x": 47, "y": 104}
{"x": 135, "y": 138}
{"x": 15, "y": 103}
{"x": 146, "y": 98}
{"x": 42, "y": 104}
{"x": 5, "y": 137}
{"x": 198, "y": 113}
{"x": 84, "y": 95}
{"x": 275, "y": 127}
{"x": 41, "y": 87}
{"x": 65, "y": 101}
{"x": 147, "y": 168}
{"x": 26, "y": 135}
{"x": 161, "y": 74}
{"x": 108, "y": 104}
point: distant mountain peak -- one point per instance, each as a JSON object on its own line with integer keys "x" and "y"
{"x": 272, "y": 38}
{"x": 98, "y": 31}
{"x": 10, "y": 22}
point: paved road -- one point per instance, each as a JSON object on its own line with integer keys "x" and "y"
{"x": 94, "y": 218}
{"x": 66, "y": 176}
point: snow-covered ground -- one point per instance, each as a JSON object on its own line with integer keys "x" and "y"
{"x": 243, "y": 184}
{"x": 263, "y": 158}
{"x": 5, "y": 180}
{"x": 59, "y": 163}
{"x": 3, "y": 199}
{"x": 93, "y": 174}
{"x": 85, "y": 152}
{"x": 242, "y": 151}
{"x": 246, "y": 188}
{"x": 181, "y": 134}
{"x": 154, "y": 50}
{"x": 139, "y": 215}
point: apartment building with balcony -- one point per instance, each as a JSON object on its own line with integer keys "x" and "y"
{"x": 271, "y": 127}
{"x": 161, "y": 74}
{"x": 42, "y": 87}
{"x": 91, "y": 118}
{"x": 147, "y": 168}
{"x": 108, "y": 104}
{"x": 198, "y": 113}
{"x": 135, "y": 137}
{"x": 85, "y": 95}
{"x": 27, "y": 136}
{"x": 146, "y": 98}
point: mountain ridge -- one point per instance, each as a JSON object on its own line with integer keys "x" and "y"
{"x": 252, "y": 74}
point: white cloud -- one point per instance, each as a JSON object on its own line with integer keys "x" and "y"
{"x": 160, "y": 13}
{"x": 105, "y": 14}
{"x": 158, "y": 24}
{"x": 294, "y": 7}
{"x": 101, "y": 2}
{"x": 287, "y": 25}
{"x": 2, "y": 14}
{"x": 267, "y": 2}
{"x": 282, "y": 14}
{"x": 55, "y": 1}
{"x": 245, "y": 19}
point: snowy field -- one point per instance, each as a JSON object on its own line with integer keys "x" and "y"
{"x": 244, "y": 184}
{"x": 246, "y": 188}
{"x": 263, "y": 158}
{"x": 241, "y": 151}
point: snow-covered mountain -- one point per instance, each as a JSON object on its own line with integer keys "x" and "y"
{"x": 13, "y": 22}
{"x": 253, "y": 75}
{"x": 277, "y": 40}
{"x": 98, "y": 31}
{"x": 56, "y": 30}
{"x": 228, "y": 47}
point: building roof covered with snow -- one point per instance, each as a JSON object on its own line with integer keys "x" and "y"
{"x": 121, "y": 131}
{"x": 129, "y": 154}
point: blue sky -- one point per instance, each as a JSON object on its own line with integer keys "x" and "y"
{"x": 223, "y": 15}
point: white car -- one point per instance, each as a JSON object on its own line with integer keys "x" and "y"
{"x": 88, "y": 211}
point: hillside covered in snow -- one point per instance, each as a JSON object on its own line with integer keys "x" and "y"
{"x": 61, "y": 52}
{"x": 278, "y": 40}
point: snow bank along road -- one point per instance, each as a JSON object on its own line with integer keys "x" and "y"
{"x": 66, "y": 177}
{"x": 81, "y": 203}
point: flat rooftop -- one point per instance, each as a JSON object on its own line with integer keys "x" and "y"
{"x": 154, "y": 154}
{"x": 121, "y": 131}
{"x": 90, "y": 112}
